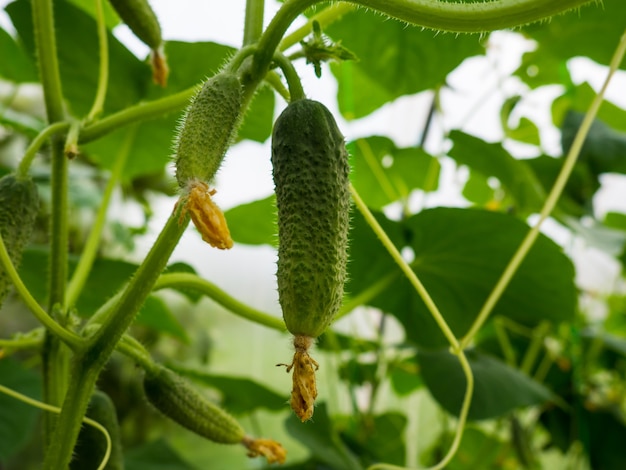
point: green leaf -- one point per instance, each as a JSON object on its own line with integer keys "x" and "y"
{"x": 525, "y": 131}
{"x": 239, "y": 395}
{"x": 567, "y": 36}
{"x": 106, "y": 278}
{"x": 259, "y": 120}
{"x": 493, "y": 160}
{"x": 384, "y": 173}
{"x": 156, "y": 455}
{"x": 254, "y": 223}
{"x": 79, "y": 66}
{"x": 604, "y": 150}
{"x": 478, "y": 451}
{"x": 157, "y": 315}
{"x": 477, "y": 189}
{"x": 15, "y": 65}
{"x": 579, "y": 99}
{"x": 498, "y": 388}
{"x": 320, "y": 437}
{"x": 459, "y": 254}
{"x": 404, "y": 377}
{"x": 17, "y": 419}
{"x": 393, "y": 60}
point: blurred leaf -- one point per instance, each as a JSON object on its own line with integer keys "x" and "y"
{"x": 319, "y": 436}
{"x": 239, "y": 395}
{"x": 372, "y": 442}
{"x": 15, "y": 65}
{"x": 477, "y": 189}
{"x": 394, "y": 59}
{"x": 566, "y": 36}
{"x": 384, "y": 173}
{"x": 357, "y": 372}
{"x": 525, "y": 131}
{"x": 478, "y": 451}
{"x": 259, "y": 120}
{"x": 157, "y": 315}
{"x": 79, "y": 66}
{"x": 498, "y": 388}
{"x": 493, "y": 160}
{"x": 17, "y": 419}
{"x": 459, "y": 254}
{"x": 106, "y": 278}
{"x": 577, "y": 197}
{"x": 254, "y": 223}
{"x": 405, "y": 378}
{"x": 156, "y": 455}
{"x": 615, "y": 220}
{"x": 604, "y": 150}
{"x": 579, "y": 98}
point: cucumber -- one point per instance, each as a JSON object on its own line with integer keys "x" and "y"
{"x": 143, "y": 22}
{"x": 91, "y": 444}
{"x": 311, "y": 176}
{"x": 207, "y": 129}
{"x": 19, "y": 206}
{"x": 174, "y": 397}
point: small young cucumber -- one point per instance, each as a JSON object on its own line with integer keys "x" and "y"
{"x": 144, "y": 24}
{"x": 207, "y": 129}
{"x": 91, "y": 445}
{"x": 141, "y": 20}
{"x": 311, "y": 175}
{"x": 177, "y": 400}
{"x": 19, "y": 206}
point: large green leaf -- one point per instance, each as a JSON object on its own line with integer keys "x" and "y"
{"x": 571, "y": 35}
{"x": 254, "y": 223}
{"x": 604, "y": 150}
{"x": 491, "y": 159}
{"x": 393, "y": 60}
{"x": 459, "y": 255}
{"x": 498, "y": 388}
{"x": 17, "y": 419}
{"x": 77, "y": 47}
{"x": 384, "y": 173}
{"x": 321, "y": 438}
{"x": 15, "y": 65}
{"x": 239, "y": 395}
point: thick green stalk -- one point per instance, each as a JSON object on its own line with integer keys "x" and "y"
{"x": 439, "y": 15}
{"x": 137, "y": 113}
{"x": 88, "y": 364}
{"x": 253, "y": 24}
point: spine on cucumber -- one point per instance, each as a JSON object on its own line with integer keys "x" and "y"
{"x": 19, "y": 206}
{"x": 311, "y": 175}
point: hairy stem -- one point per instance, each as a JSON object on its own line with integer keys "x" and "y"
{"x": 457, "y": 17}
{"x": 88, "y": 364}
{"x": 253, "y": 24}
{"x": 37, "y": 143}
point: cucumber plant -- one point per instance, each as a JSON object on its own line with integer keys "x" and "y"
{"x": 483, "y": 304}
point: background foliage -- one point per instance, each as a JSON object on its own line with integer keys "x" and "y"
{"x": 549, "y": 365}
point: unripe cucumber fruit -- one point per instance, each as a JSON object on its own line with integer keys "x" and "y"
{"x": 311, "y": 175}
{"x": 91, "y": 445}
{"x": 176, "y": 399}
{"x": 208, "y": 128}
{"x": 141, "y": 20}
{"x": 19, "y": 205}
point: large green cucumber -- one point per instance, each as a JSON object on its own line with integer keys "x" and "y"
{"x": 311, "y": 175}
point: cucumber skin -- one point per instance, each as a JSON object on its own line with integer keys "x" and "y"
{"x": 19, "y": 206}
{"x": 174, "y": 397}
{"x": 208, "y": 128}
{"x": 311, "y": 175}
{"x": 141, "y": 19}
